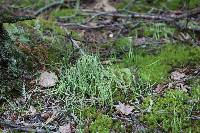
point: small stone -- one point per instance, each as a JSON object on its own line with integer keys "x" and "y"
{"x": 48, "y": 79}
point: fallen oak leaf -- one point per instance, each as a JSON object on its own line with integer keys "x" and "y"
{"x": 176, "y": 75}
{"x": 105, "y": 6}
{"x": 124, "y": 109}
{"x": 65, "y": 128}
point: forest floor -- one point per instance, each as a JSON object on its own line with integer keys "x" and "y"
{"x": 98, "y": 66}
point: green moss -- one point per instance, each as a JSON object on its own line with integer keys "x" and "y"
{"x": 155, "y": 67}
{"x": 118, "y": 127}
{"x": 194, "y": 3}
{"x": 102, "y": 124}
{"x": 123, "y": 43}
{"x": 139, "y": 6}
{"x": 123, "y": 83}
{"x": 170, "y": 113}
{"x": 195, "y": 94}
{"x": 68, "y": 14}
{"x": 31, "y": 3}
{"x": 53, "y": 38}
{"x": 98, "y": 122}
{"x": 63, "y": 12}
{"x": 89, "y": 113}
{"x": 156, "y": 30}
{"x": 194, "y": 82}
{"x": 144, "y": 5}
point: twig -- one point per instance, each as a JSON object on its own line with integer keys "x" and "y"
{"x": 74, "y": 43}
{"x": 82, "y": 26}
{"x": 195, "y": 118}
{"x": 48, "y": 7}
{"x": 172, "y": 20}
{"x": 190, "y": 13}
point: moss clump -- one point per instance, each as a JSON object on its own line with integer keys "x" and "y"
{"x": 31, "y": 3}
{"x": 10, "y": 62}
{"x": 67, "y": 15}
{"x": 146, "y": 5}
{"x": 102, "y": 124}
{"x": 90, "y": 113}
{"x": 123, "y": 43}
{"x": 38, "y": 39}
{"x": 155, "y": 67}
{"x": 156, "y": 30}
{"x": 195, "y": 97}
{"x": 98, "y": 122}
{"x": 170, "y": 113}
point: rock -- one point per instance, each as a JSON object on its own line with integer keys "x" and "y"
{"x": 48, "y": 79}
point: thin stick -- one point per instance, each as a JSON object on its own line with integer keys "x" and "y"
{"x": 48, "y": 7}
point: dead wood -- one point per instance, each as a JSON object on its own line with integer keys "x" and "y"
{"x": 18, "y": 128}
{"x": 48, "y": 7}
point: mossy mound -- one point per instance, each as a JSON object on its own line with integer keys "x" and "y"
{"x": 146, "y": 5}
{"x": 172, "y": 112}
{"x": 155, "y": 67}
{"x": 70, "y": 15}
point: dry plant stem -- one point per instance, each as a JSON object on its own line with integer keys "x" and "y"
{"x": 74, "y": 43}
{"x": 190, "y": 13}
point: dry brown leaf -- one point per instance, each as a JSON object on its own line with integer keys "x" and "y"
{"x": 176, "y": 75}
{"x": 52, "y": 118}
{"x": 32, "y": 111}
{"x": 160, "y": 88}
{"x": 65, "y": 129}
{"x": 105, "y": 6}
{"x": 124, "y": 109}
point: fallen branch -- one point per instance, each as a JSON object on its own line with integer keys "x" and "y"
{"x": 48, "y": 7}
{"x": 172, "y": 20}
{"x": 190, "y": 13}
{"x": 82, "y": 26}
{"x": 53, "y": 5}
{"x": 18, "y": 128}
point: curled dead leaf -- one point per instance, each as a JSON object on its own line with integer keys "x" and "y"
{"x": 176, "y": 75}
{"x": 32, "y": 111}
{"x": 124, "y": 109}
{"x": 105, "y": 6}
{"x": 65, "y": 129}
